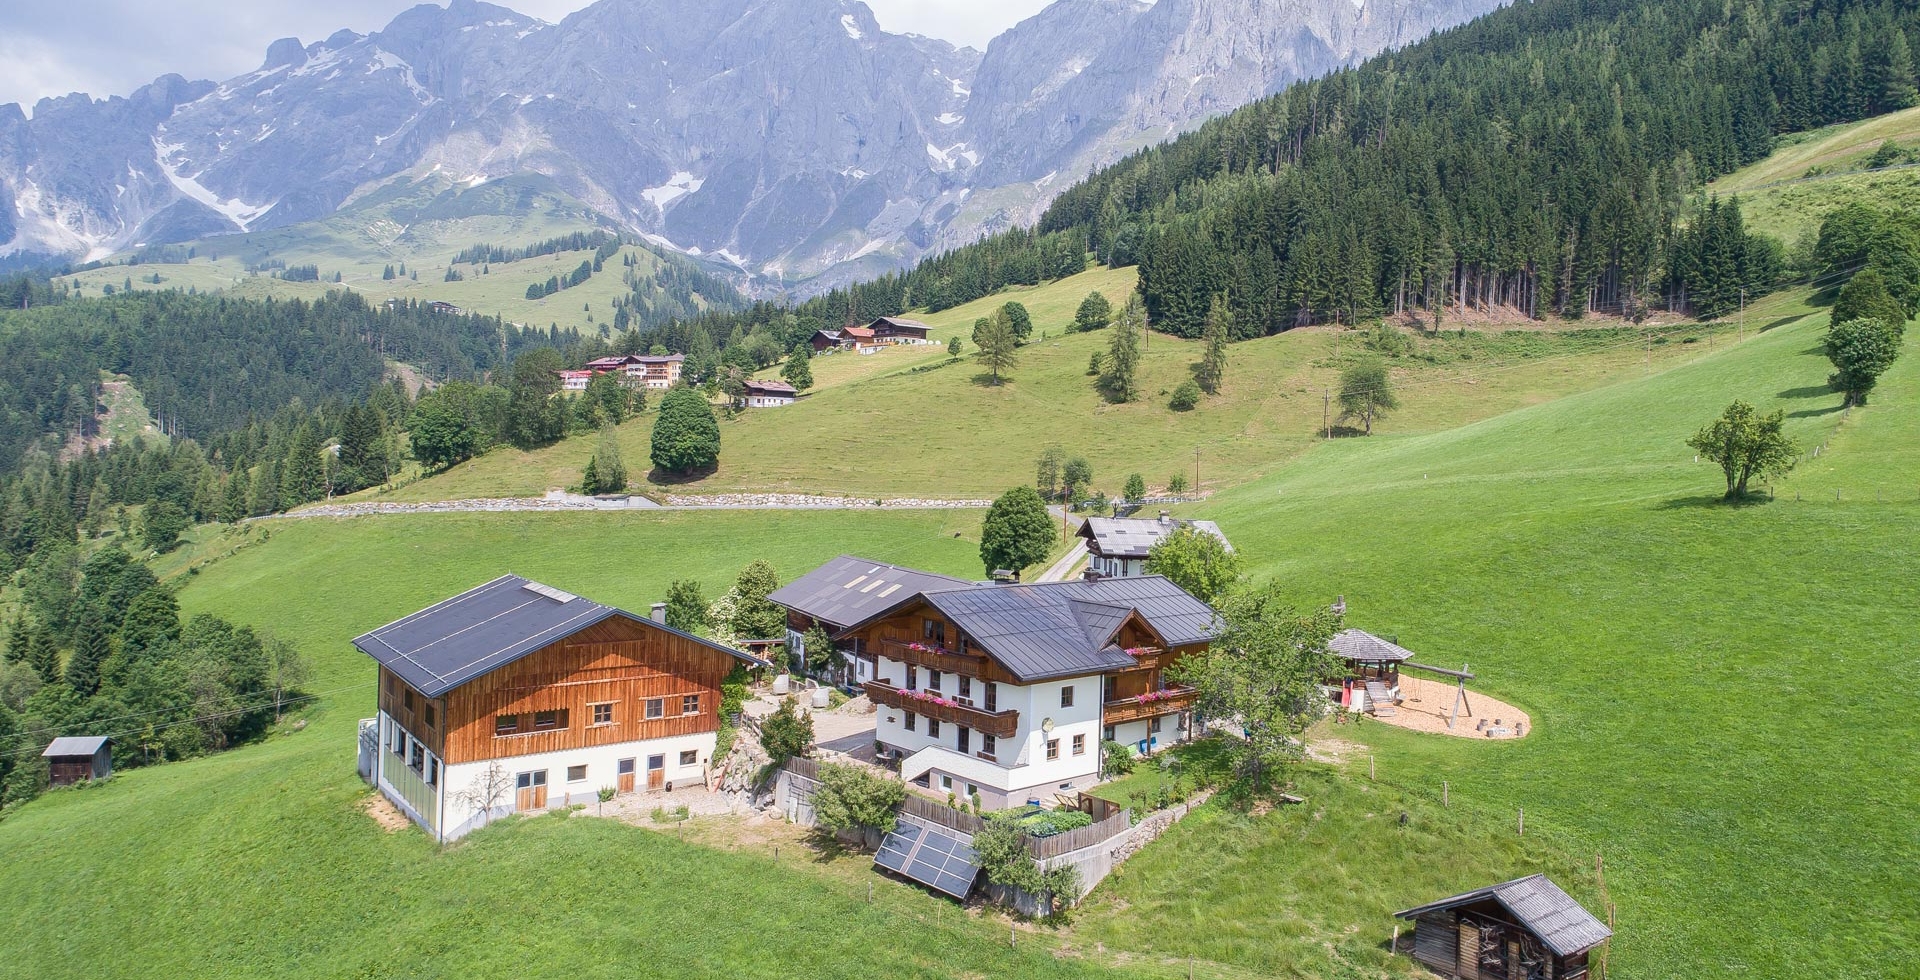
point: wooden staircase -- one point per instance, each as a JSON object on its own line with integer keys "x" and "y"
{"x": 1379, "y": 700}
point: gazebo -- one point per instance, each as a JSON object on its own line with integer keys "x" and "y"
{"x": 1372, "y": 683}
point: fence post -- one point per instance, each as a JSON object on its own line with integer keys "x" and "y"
{"x": 1370, "y": 775}
{"x": 1523, "y": 822}
{"x": 1444, "y": 800}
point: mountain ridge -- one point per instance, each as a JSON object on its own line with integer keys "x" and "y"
{"x": 795, "y": 139}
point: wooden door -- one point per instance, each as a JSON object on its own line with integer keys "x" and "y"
{"x": 656, "y": 771}
{"x": 530, "y": 790}
{"x": 626, "y": 775}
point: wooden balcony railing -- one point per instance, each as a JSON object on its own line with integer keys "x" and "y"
{"x": 999, "y": 724}
{"x": 1145, "y": 658}
{"x": 935, "y": 657}
{"x": 1123, "y": 710}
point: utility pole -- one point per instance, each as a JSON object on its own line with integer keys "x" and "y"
{"x": 1743, "y": 313}
{"x": 1196, "y": 472}
{"x": 1326, "y": 413}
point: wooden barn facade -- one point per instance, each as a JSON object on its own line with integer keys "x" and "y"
{"x": 518, "y": 696}
{"x": 73, "y": 760}
{"x": 1525, "y": 929}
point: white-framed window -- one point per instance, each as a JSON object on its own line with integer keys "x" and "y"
{"x": 576, "y": 774}
{"x": 602, "y": 713}
{"x": 690, "y": 757}
{"x": 946, "y": 782}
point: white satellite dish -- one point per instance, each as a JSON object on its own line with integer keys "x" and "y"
{"x": 1046, "y": 725}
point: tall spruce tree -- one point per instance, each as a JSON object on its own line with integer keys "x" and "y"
{"x": 1213, "y": 362}
{"x": 91, "y": 648}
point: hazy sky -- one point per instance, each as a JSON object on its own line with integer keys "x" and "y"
{"x": 119, "y": 45}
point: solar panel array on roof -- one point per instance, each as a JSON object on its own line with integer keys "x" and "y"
{"x": 1133, "y": 537}
{"x": 850, "y": 590}
{"x": 931, "y": 856}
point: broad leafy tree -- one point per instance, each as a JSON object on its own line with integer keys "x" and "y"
{"x": 1366, "y": 392}
{"x": 1196, "y": 561}
{"x": 1861, "y": 351}
{"x": 1746, "y": 444}
{"x": 1076, "y": 478}
{"x": 1865, "y": 297}
{"x": 855, "y": 798}
{"x": 1135, "y": 488}
{"x": 1094, "y": 313}
{"x": 1018, "y": 319}
{"x": 686, "y": 436}
{"x": 787, "y": 733}
{"x": 1018, "y": 531}
{"x": 1263, "y": 674}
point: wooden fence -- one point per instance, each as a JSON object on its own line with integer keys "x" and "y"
{"x": 1045, "y": 847}
{"x": 920, "y": 807}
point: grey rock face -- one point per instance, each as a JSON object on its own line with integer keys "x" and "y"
{"x": 794, "y": 137}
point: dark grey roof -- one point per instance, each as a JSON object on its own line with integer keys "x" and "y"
{"x": 850, "y": 590}
{"x": 1362, "y": 645}
{"x": 481, "y": 630}
{"x": 1064, "y": 629}
{"x": 1537, "y": 903}
{"x": 75, "y": 745}
{"x": 1133, "y": 537}
{"x": 901, "y": 321}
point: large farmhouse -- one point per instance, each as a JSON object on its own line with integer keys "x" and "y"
{"x": 846, "y": 591}
{"x": 1117, "y": 547}
{"x": 1007, "y": 690}
{"x": 518, "y": 696}
{"x": 656, "y": 371}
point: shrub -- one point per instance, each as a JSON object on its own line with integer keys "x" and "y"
{"x": 854, "y": 797}
{"x": 786, "y": 733}
{"x": 1186, "y": 396}
{"x": 1116, "y": 760}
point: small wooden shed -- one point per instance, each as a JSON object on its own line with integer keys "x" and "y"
{"x": 71, "y": 760}
{"x": 1525, "y": 929}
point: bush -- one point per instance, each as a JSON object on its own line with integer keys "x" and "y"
{"x": 1186, "y": 396}
{"x": 1116, "y": 760}
{"x": 786, "y": 733}
{"x": 854, "y": 797}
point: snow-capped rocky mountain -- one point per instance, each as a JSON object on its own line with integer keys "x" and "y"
{"x": 794, "y": 138}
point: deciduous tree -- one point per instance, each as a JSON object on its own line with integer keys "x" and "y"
{"x": 687, "y": 607}
{"x": 853, "y": 797}
{"x": 1861, "y": 351}
{"x": 1094, "y": 313}
{"x": 1019, "y": 320}
{"x": 996, "y": 346}
{"x": 1018, "y": 531}
{"x": 686, "y": 436}
{"x": 1196, "y": 561}
{"x": 1746, "y": 444}
{"x": 1366, "y": 392}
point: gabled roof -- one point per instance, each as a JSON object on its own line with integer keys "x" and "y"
{"x": 900, "y": 321}
{"x": 1133, "y": 537}
{"x": 772, "y": 387}
{"x": 1065, "y": 629}
{"x": 1538, "y": 904}
{"x": 850, "y": 590}
{"x": 858, "y": 333}
{"x": 481, "y": 630}
{"x": 1364, "y": 646}
{"x": 75, "y": 745}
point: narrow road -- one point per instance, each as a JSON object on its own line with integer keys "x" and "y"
{"x": 1060, "y": 569}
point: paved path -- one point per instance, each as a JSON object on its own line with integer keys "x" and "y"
{"x": 577, "y": 503}
{"x": 1064, "y": 566}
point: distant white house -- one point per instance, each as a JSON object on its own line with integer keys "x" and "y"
{"x": 1117, "y": 547}
{"x": 768, "y": 394}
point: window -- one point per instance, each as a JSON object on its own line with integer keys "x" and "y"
{"x": 933, "y": 727}
{"x": 690, "y": 757}
{"x": 690, "y": 704}
{"x": 935, "y": 630}
{"x": 656, "y": 708}
{"x": 933, "y": 680}
{"x": 1053, "y": 748}
{"x": 528, "y": 780}
{"x": 1154, "y": 725}
{"x": 908, "y": 723}
{"x": 408, "y": 698}
{"x": 972, "y": 791}
{"x": 1079, "y": 745}
{"x": 417, "y": 757}
{"x": 430, "y": 714}
{"x": 993, "y": 696}
{"x": 986, "y": 744}
{"x": 433, "y": 771}
{"x": 1066, "y": 696}
{"x": 603, "y": 714}
{"x": 913, "y": 678}
{"x": 1109, "y": 734}
{"x": 506, "y": 724}
{"x": 576, "y": 774}
{"x": 399, "y": 742}
{"x": 963, "y": 742}
{"x": 946, "y": 782}
{"x": 546, "y": 721}
{"x": 966, "y": 687}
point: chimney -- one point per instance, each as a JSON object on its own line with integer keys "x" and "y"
{"x": 1004, "y": 576}
{"x": 1166, "y": 518}
{"x": 660, "y": 613}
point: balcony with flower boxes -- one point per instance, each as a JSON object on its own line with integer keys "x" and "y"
{"x": 1145, "y": 658}
{"x": 934, "y": 657}
{"x": 933, "y": 704}
{"x": 1149, "y": 705}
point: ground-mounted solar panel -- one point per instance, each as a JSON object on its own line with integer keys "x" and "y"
{"x": 931, "y": 856}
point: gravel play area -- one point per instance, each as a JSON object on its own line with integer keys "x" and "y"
{"x": 1426, "y": 704}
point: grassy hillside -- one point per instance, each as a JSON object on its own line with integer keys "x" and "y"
{"x": 1717, "y": 690}
{"x": 909, "y": 422}
{"x": 423, "y": 224}
{"x": 1788, "y": 193}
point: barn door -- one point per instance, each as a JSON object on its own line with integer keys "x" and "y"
{"x": 626, "y": 775}
{"x": 530, "y": 790}
{"x": 656, "y": 771}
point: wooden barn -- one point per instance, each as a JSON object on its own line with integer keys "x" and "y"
{"x": 1525, "y": 929}
{"x": 76, "y": 760}
{"x": 517, "y": 696}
